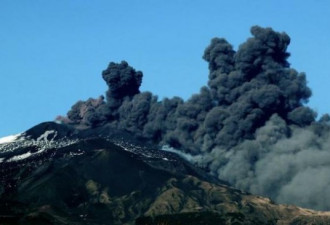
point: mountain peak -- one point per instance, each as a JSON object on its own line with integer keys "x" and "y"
{"x": 94, "y": 180}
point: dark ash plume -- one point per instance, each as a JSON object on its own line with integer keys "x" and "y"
{"x": 87, "y": 112}
{"x": 248, "y": 126}
{"x": 122, "y": 80}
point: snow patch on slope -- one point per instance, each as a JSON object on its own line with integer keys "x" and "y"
{"x": 9, "y": 139}
{"x": 20, "y": 157}
{"x": 48, "y": 136}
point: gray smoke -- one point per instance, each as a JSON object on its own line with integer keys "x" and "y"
{"x": 248, "y": 126}
{"x": 288, "y": 168}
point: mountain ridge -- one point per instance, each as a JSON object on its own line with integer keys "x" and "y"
{"x": 93, "y": 180}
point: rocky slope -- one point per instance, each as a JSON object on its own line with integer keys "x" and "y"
{"x": 54, "y": 174}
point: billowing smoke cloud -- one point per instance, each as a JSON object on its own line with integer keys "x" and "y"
{"x": 248, "y": 126}
{"x": 290, "y": 164}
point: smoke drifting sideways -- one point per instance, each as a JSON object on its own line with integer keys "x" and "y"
{"x": 248, "y": 126}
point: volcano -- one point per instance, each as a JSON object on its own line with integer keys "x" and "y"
{"x": 54, "y": 174}
{"x": 248, "y": 133}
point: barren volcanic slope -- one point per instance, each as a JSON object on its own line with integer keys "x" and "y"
{"x": 53, "y": 175}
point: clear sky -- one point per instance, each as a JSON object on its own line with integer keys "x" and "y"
{"x": 52, "y": 52}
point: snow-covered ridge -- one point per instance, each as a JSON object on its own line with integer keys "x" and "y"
{"x": 9, "y": 139}
{"x": 22, "y": 146}
{"x": 20, "y": 141}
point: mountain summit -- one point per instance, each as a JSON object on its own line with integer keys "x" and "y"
{"x": 53, "y": 174}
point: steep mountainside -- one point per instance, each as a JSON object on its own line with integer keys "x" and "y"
{"x": 53, "y": 174}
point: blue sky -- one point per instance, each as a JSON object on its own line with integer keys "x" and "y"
{"x": 52, "y": 52}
